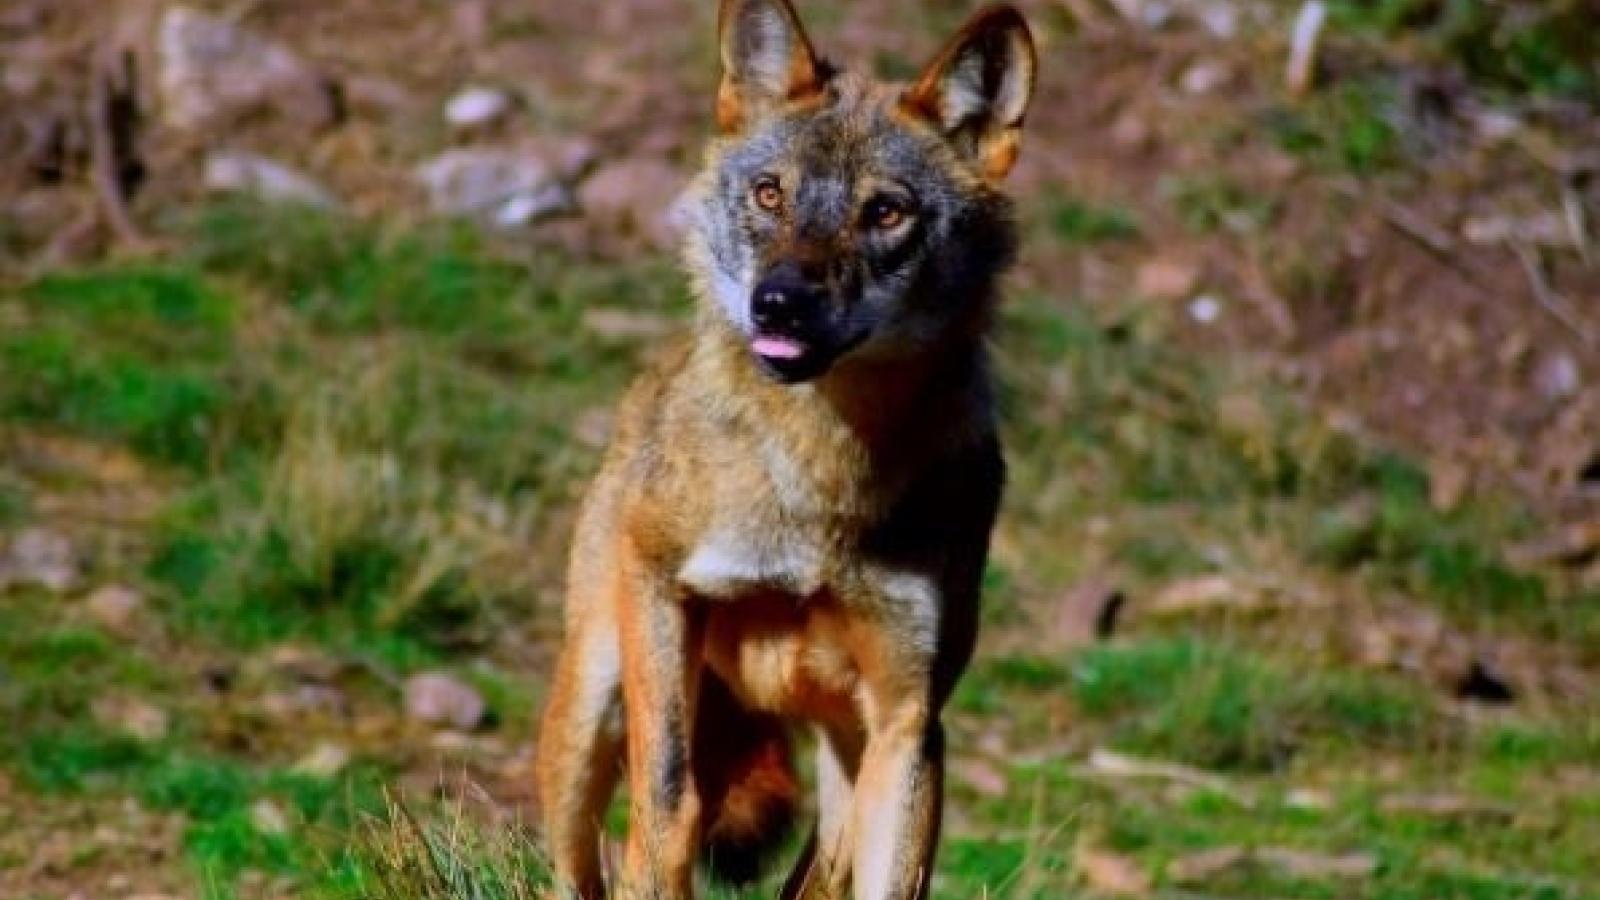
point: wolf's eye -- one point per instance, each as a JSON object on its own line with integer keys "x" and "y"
{"x": 884, "y": 213}
{"x": 769, "y": 196}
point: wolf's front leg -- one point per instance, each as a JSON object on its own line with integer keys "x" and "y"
{"x": 660, "y": 681}
{"x": 579, "y": 746}
{"x": 897, "y": 805}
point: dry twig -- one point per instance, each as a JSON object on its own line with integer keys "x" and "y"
{"x": 110, "y": 119}
{"x": 1552, "y": 302}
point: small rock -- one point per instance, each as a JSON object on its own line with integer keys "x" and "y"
{"x": 1219, "y": 19}
{"x": 1308, "y": 798}
{"x": 41, "y": 557}
{"x": 268, "y": 818}
{"x": 325, "y": 760}
{"x": 507, "y": 187}
{"x": 377, "y": 96}
{"x": 1495, "y": 125}
{"x": 1203, "y": 78}
{"x": 1205, "y": 309}
{"x": 477, "y": 107}
{"x": 114, "y": 607}
{"x": 133, "y": 717}
{"x": 637, "y": 195}
{"x": 434, "y": 698}
{"x": 230, "y": 171}
{"x": 211, "y": 70}
{"x": 1131, "y": 132}
{"x": 1558, "y": 376}
{"x": 1167, "y": 278}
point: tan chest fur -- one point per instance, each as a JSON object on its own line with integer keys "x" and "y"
{"x": 783, "y": 657}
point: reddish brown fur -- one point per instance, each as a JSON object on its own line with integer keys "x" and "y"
{"x": 754, "y": 553}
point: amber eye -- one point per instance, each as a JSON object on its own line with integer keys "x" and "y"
{"x": 768, "y": 195}
{"x": 884, "y": 214}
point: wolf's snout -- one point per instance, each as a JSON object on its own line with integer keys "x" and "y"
{"x": 786, "y": 301}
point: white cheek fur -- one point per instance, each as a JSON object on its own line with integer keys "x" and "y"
{"x": 732, "y": 294}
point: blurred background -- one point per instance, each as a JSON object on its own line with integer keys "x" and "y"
{"x": 312, "y": 314}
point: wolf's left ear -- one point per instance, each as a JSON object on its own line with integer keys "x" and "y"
{"x": 767, "y": 60}
{"x": 977, "y": 89}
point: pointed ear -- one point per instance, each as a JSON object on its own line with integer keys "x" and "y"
{"x": 977, "y": 89}
{"x": 767, "y": 60}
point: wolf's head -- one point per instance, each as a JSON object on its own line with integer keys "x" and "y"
{"x": 837, "y": 215}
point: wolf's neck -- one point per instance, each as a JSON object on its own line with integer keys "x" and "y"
{"x": 890, "y": 410}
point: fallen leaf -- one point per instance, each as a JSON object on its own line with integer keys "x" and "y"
{"x": 1206, "y": 592}
{"x": 1167, "y": 278}
{"x": 268, "y": 818}
{"x": 1445, "y": 805}
{"x": 1206, "y": 864}
{"x": 325, "y": 760}
{"x": 1448, "y": 480}
{"x": 1111, "y": 764}
{"x": 1209, "y": 864}
{"x": 114, "y": 607}
{"x": 1086, "y": 612}
{"x": 980, "y": 775}
{"x": 1573, "y": 545}
{"x": 1110, "y": 872}
{"x": 1302, "y": 864}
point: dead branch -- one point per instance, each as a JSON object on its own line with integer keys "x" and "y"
{"x": 1552, "y": 302}
{"x": 109, "y": 113}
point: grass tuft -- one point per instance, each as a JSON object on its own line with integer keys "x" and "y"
{"x": 398, "y": 855}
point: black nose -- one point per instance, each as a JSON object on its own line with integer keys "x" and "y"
{"x": 786, "y": 299}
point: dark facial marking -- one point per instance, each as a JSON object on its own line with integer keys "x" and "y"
{"x": 883, "y": 215}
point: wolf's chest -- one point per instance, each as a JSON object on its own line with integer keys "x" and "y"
{"x": 728, "y": 562}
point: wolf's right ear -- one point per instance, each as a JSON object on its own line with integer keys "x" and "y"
{"x": 767, "y": 60}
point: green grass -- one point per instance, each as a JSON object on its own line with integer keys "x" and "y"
{"x": 1207, "y": 204}
{"x": 1350, "y": 126}
{"x": 1209, "y": 703}
{"x": 366, "y": 440}
{"x": 1513, "y": 47}
{"x": 1075, "y": 221}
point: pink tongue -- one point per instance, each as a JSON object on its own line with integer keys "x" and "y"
{"x": 777, "y": 347}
